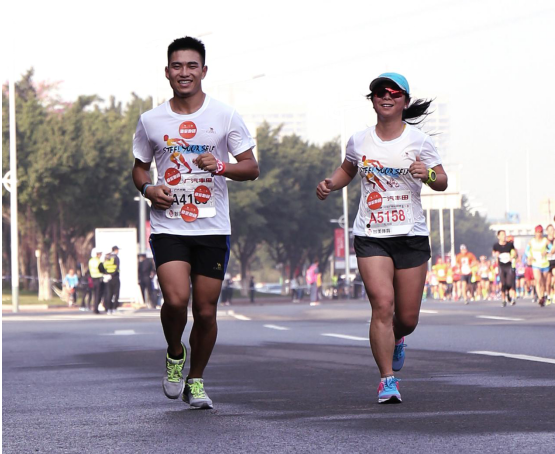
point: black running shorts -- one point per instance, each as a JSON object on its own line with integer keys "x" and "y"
{"x": 207, "y": 254}
{"x": 405, "y": 251}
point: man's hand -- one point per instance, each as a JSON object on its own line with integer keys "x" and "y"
{"x": 418, "y": 170}
{"x": 324, "y": 188}
{"x": 160, "y": 196}
{"x": 206, "y": 162}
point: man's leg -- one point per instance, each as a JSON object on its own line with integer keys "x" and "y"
{"x": 174, "y": 283}
{"x": 117, "y": 286}
{"x": 96, "y": 292}
{"x": 206, "y": 291}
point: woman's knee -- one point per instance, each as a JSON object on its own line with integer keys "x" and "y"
{"x": 406, "y": 322}
{"x": 382, "y": 308}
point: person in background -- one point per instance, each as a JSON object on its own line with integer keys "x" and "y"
{"x": 550, "y": 280}
{"x": 71, "y": 281}
{"x": 251, "y": 289}
{"x": 537, "y": 251}
{"x": 465, "y": 260}
{"x": 86, "y": 283}
{"x": 96, "y": 276}
{"x": 312, "y": 281}
{"x": 440, "y": 271}
{"x": 146, "y": 273}
{"x": 293, "y": 287}
{"x": 111, "y": 265}
{"x": 520, "y": 279}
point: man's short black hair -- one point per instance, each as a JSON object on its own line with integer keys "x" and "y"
{"x": 188, "y": 43}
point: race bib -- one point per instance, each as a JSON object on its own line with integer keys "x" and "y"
{"x": 388, "y": 213}
{"x": 193, "y": 196}
{"x": 505, "y": 257}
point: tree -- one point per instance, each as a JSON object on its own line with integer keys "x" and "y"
{"x": 74, "y": 174}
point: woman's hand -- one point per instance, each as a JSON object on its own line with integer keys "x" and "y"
{"x": 418, "y": 170}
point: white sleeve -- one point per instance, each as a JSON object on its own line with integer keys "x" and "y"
{"x": 239, "y": 139}
{"x": 350, "y": 154}
{"x": 142, "y": 149}
{"x": 429, "y": 154}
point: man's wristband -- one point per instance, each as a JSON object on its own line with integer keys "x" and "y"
{"x": 143, "y": 188}
{"x": 220, "y": 167}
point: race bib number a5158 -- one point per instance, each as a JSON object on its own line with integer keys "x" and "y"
{"x": 388, "y": 214}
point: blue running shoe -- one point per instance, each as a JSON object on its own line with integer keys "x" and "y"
{"x": 388, "y": 391}
{"x": 399, "y": 356}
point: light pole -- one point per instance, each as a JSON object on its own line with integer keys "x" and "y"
{"x": 345, "y": 208}
{"x": 13, "y": 199}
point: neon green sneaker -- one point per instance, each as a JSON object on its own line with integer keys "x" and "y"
{"x": 173, "y": 383}
{"x": 195, "y": 395}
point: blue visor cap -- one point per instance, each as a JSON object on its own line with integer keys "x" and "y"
{"x": 393, "y": 77}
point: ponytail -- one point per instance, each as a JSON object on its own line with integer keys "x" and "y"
{"x": 417, "y": 111}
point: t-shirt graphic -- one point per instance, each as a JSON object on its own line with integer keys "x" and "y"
{"x": 201, "y": 205}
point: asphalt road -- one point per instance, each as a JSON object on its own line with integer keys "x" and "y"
{"x": 283, "y": 378}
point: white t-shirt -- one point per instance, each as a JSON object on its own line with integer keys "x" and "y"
{"x": 201, "y": 205}
{"x": 390, "y": 197}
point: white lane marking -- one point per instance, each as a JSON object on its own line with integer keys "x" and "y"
{"x": 344, "y": 336}
{"x": 538, "y": 359}
{"x": 237, "y": 316}
{"x": 427, "y": 311}
{"x": 279, "y": 328}
{"x": 492, "y": 317}
{"x": 124, "y": 332}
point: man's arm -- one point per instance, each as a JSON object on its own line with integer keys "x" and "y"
{"x": 245, "y": 169}
{"x": 158, "y": 195}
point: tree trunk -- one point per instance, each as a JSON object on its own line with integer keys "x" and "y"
{"x": 43, "y": 272}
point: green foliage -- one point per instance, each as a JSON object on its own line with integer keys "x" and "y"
{"x": 74, "y": 168}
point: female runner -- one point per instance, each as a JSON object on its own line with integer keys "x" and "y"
{"x": 394, "y": 160}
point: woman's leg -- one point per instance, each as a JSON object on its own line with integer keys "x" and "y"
{"x": 408, "y": 285}
{"x": 377, "y": 274}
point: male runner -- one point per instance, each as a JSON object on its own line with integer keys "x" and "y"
{"x": 505, "y": 252}
{"x": 465, "y": 260}
{"x": 190, "y": 209}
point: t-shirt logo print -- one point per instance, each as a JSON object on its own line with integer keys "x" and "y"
{"x": 187, "y": 130}
{"x": 367, "y": 168}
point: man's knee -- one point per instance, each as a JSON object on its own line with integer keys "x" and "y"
{"x": 205, "y": 315}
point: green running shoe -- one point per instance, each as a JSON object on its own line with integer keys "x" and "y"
{"x": 173, "y": 383}
{"x": 195, "y": 395}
